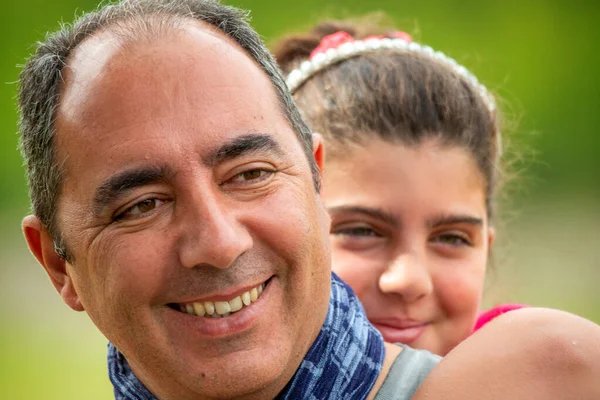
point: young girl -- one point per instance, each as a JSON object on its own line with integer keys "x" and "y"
{"x": 413, "y": 158}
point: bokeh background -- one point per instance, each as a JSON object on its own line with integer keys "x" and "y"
{"x": 541, "y": 59}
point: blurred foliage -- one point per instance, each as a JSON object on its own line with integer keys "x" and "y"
{"x": 539, "y": 57}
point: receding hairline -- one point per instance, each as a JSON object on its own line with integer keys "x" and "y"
{"x": 128, "y": 34}
{"x": 120, "y": 41}
{"x": 107, "y": 51}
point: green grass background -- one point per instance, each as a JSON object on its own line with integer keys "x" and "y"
{"x": 539, "y": 57}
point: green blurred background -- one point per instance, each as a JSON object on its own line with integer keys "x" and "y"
{"x": 539, "y": 57}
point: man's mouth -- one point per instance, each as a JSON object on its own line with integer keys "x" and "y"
{"x": 223, "y": 308}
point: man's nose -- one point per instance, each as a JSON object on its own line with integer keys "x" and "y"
{"x": 407, "y": 276}
{"x": 213, "y": 234}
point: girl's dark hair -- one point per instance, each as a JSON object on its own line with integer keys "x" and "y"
{"x": 397, "y": 96}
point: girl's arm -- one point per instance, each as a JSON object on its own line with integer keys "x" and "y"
{"x": 531, "y": 353}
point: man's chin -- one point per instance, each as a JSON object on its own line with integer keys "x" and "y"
{"x": 260, "y": 371}
{"x": 258, "y": 361}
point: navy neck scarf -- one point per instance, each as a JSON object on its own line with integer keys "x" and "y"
{"x": 343, "y": 362}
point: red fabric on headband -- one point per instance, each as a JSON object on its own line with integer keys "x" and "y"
{"x": 335, "y": 40}
{"x": 399, "y": 35}
{"x": 331, "y": 42}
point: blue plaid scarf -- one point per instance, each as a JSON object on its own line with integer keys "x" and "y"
{"x": 343, "y": 362}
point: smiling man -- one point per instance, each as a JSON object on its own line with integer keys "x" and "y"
{"x": 175, "y": 199}
{"x": 186, "y": 219}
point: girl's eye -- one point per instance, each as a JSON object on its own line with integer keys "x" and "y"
{"x": 140, "y": 209}
{"x": 452, "y": 240}
{"x": 357, "y": 238}
{"x": 358, "y": 231}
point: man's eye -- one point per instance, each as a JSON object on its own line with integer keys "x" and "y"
{"x": 139, "y": 209}
{"x": 253, "y": 175}
{"x": 359, "y": 231}
{"x": 452, "y": 240}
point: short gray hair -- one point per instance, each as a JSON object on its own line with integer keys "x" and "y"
{"x": 40, "y": 84}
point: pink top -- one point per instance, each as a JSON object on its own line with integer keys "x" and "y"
{"x": 490, "y": 314}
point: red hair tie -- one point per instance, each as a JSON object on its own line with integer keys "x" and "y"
{"x": 338, "y": 38}
{"x": 399, "y": 35}
{"x": 331, "y": 42}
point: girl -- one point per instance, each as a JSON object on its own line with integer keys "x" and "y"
{"x": 413, "y": 158}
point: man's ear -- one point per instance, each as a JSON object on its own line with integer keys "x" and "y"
{"x": 319, "y": 151}
{"x": 41, "y": 246}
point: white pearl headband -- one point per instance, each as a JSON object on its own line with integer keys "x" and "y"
{"x": 349, "y": 49}
{"x": 320, "y": 61}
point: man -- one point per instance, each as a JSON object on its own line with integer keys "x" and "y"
{"x": 186, "y": 219}
{"x": 175, "y": 199}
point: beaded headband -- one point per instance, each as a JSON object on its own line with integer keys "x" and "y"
{"x": 341, "y": 46}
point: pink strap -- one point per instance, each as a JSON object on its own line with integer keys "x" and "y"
{"x": 489, "y": 315}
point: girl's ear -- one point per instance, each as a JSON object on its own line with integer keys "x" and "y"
{"x": 491, "y": 236}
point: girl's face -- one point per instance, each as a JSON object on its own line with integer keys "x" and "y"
{"x": 410, "y": 235}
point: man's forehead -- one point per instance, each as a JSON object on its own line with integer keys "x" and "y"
{"x": 192, "y": 87}
{"x": 128, "y": 44}
{"x": 109, "y": 65}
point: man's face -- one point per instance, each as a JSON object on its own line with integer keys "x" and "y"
{"x": 186, "y": 190}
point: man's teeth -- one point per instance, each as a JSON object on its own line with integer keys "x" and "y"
{"x": 219, "y": 309}
{"x": 246, "y": 298}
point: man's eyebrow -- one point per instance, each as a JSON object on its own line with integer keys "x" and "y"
{"x": 117, "y": 185}
{"x": 451, "y": 219}
{"x": 376, "y": 213}
{"x": 242, "y": 145}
